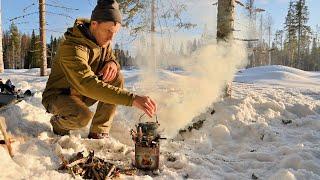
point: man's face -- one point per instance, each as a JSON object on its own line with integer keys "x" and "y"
{"x": 104, "y": 32}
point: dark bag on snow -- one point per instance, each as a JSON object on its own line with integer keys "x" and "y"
{"x": 9, "y": 95}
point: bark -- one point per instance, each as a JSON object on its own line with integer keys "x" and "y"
{"x": 225, "y": 19}
{"x": 42, "y": 20}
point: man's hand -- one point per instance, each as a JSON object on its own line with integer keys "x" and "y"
{"x": 109, "y": 71}
{"x": 146, "y": 104}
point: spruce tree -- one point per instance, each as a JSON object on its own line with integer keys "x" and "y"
{"x": 25, "y": 45}
{"x": 34, "y": 52}
{"x": 291, "y": 37}
{"x": 6, "y": 42}
{"x": 314, "y": 56}
{"x": 14, "y": 47}
{"x": 303, "y": 30}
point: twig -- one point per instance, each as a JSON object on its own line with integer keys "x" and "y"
{"x": 70, "y": 169}
{"x": 22, "y": 16}
{"x": 62, "y": 7}
{"x": 60, "y": 14}
{"x": 3, "y": 128}
{"x": 64, "y": 162}
{"x": 246, "y": 39}
{"x": 33, "y": 4}
{"x": 82, "y": 160}
{"x": 110, "y": 171}
{"x": 96, "y": 175}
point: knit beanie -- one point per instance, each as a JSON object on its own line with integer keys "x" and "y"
{"x": 106, "y": 10}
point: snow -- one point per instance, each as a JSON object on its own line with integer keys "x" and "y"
{"x": 245, "y": 137}
{"x": 279, "y": 75}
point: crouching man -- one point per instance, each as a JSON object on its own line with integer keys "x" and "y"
{"x": 85, "y": 71}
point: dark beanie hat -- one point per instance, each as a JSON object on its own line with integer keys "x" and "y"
{"x": 106, "y": 10}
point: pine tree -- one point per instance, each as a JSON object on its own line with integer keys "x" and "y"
{"x": 279, "y": 47}
{"x": 189, "y": 47}
{"x": 304, "y": 31}
{"x": 50, "y": 52}
{"x": 34, "y": 52}
{"x": 6, "y": 41}
{"x": 194, "y": 45}
{"x": 181, "y": 51}
{"x": 314, "y": 56}
{"x": 25, "y": 45}
{"x": 14, "y": 47}
{"x": 291, "y": 37}
{"x": 54, "y": 48}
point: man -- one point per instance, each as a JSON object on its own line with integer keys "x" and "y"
{"x": 85, "y": 71}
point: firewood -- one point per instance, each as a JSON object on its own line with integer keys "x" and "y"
{"x": 96, "y": 174}
{"x": 113, "y": 167}
{"x": 3, "y": 128}
{"x": 91, "y": 167}
{"x": 82, "y": 160}
{"x": 64, "y": 162}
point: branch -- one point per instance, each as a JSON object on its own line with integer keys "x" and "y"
{"x": 23, "y": 16}
{"x": 52, "y": 30}
{"x": 59, "y": 14}
{"x": 33, "y": 4}
{"x": 24, "y": 22}
{"x": 258, "y": 10}
{"x": 240, "y": 3}
{"x": 62, "y": 7}
{"x": 239, "y": 39}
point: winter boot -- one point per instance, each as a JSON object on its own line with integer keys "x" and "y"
{"x": 56, "y": 129}
{"x": 98, "y": 135}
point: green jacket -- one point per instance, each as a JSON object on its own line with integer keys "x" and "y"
{"x": 76, "y": 64}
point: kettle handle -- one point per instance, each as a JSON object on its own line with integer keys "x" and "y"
{"x": 144, "y": 114}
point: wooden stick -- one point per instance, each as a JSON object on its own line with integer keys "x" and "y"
{"x": 70, "y": 169}
{"x": 64, "y": 162}
{"x": 110, "y": 171}
{"x": 3, "y": 128}
{"x": 82, "y": 160}
{"x": 96, "y": 175}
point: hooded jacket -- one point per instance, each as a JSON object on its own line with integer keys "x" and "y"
{"x": 76, "y": 65}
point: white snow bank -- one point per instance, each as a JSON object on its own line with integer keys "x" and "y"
{"x": 280, "y": 75}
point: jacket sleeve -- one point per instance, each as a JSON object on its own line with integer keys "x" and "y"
{"x": 74, "y": 64}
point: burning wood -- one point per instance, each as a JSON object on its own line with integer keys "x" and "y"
{"x": 91, "y": 167}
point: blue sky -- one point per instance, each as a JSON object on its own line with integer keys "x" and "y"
{"x": 278, "y": 10}
{"x": 56, "y": 24}
{"x": 199, "y": 9}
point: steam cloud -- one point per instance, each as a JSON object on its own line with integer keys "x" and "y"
{"x": 183, "y": 95}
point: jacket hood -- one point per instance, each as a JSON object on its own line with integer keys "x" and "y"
{"x": 80, "y": 33}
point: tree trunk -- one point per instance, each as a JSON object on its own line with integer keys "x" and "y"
{"x": 225, "y": 19}
{"x": 153, "y": 31}
{"x": 225, "y": 27}
{"x": 1, "y": 52}
{"x": 43, "y": 49}
{"x": 269, "y": 44}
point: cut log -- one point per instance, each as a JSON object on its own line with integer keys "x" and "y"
{"x": 3, "y": 128}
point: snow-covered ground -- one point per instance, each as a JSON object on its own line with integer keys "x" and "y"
{"x": 269, "y": 129}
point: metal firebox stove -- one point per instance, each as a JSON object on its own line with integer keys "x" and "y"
{"x": 147, "y": 144}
